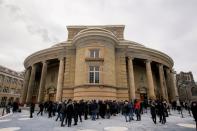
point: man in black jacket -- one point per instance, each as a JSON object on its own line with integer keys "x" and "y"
{"x": 69, "y": 112}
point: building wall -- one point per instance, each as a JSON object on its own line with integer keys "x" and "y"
{"x": 107, "y": 76}
{"x": 121, "y": 75}
{"x": 107, "y": 66}
{"x": 69, "y": 74}
{"x": 186, "y": 85}
{"x": 11, "y": 84}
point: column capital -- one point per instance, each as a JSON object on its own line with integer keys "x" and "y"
{"x": 130, "y": 57}
{"x": 148, "y": 61}
{"x": 61, "y": 58}
{"x": 159, "y": 65}
{"x": 45, "y": 62}
{"x": 33, "y": 66}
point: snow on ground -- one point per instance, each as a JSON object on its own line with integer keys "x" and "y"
{"x": 22, "y": 122}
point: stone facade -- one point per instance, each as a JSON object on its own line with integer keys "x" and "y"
{"x": 96, "y": 62}
{"x": 11, "y": 83}
{"x": 187, "y": 87}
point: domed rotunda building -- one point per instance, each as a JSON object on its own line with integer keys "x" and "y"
{"x": 96, "y": 62}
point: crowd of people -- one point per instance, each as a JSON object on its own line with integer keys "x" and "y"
{"x": 81, "y": 110}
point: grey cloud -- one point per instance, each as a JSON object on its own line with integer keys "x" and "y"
{"x": 1, "y": 2}
{"x": 31, "y": 27}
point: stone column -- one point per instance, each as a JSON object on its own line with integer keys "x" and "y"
{"x": 151, "y": 91}
{"x": 131, "y": 78}
{"x": 174, "y": 87}
{"x": 31, "y": 83}
{"x": 169, "y": 84}
{"x": 25, "y": 87}
{"x": 162, "y": 82}
{"x": 42, "y": 82}
{"x": 60, "y": 80}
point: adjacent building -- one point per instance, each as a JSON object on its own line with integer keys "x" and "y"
{"x": 97, "y": 62}
{"x": 187, "y": 87}
{"x": 11, "y": 83}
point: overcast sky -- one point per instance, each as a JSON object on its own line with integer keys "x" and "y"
{"x": 170, "y": 26}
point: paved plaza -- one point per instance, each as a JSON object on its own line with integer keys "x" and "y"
{"x": 22, "y": 122}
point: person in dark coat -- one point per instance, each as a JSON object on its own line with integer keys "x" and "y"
{"x": 41, "y": 106}
{"x": 80, "y": 109}
{"x": 50, "y": 109}
{"x": 108, "y": 114}
{"x": 153, "y": 112}
{"x": 59, "y": 106}
{"x": 126, "y": 110}
{"x": 75, "y": 112}
{"x": 94, "y": 109}
{"x": 194, "y": 111}
{"x": 32, "y": 107}
{"x": 102, "y": 109}
{"x": 15, "y": 107}
{"x": 86, "y": 110}
{"x": 69, "y": 112}
{"x": 161, "y": 113}
{"x": 63, "y": 113}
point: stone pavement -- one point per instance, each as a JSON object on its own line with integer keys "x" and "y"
{"x": 22, "y": 122}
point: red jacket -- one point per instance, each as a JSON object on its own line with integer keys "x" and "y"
{"x": 137, "y": 105}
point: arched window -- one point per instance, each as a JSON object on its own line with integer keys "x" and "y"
{"x": 194, "y": 91}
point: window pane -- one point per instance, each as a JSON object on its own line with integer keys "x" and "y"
{"x": 92, "y": 53}
{"x": 91, "y": 68}
{"x": 91, "y": 77}
{"x": 96, "y": 68}
{"x": 96, "y": 53}
{"x": 96, "y": 77}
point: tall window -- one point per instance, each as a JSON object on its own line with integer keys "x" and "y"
{"x": 94, "y": 53}
{"x": 94, "y": 74}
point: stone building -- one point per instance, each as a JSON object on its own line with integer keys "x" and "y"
{"x": 11, "y": 83}
{"x": 96, "y": 62}
{"x": 187, "y": 87}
